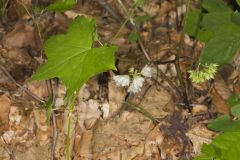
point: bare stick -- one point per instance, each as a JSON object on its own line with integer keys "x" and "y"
{"x": 110, "y": 10}
{"x": 20, "y": 86}
{"x": 179, "y": 52}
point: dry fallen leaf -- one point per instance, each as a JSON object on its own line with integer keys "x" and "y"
{"x": 5, "y": 105}
{"x": 198, "y": 135}
{"x": 88, "y": 113}
{"x": 220, "y": 104}
{"x": 43, "y": 130}
{"x": 22, "y": 36}
{"x": 116, "y": 97}
{"x": 39, "y": 88}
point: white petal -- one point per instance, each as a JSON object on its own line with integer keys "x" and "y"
{"x": 147, "y": 71}
{"x": 136, "y": 84}
{"x": 122, "y": 80}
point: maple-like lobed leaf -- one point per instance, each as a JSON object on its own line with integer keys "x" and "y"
{"x": 72, "y": 58}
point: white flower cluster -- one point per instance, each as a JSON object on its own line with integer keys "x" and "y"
{"x": 136, "y": 82}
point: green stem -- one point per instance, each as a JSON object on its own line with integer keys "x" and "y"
{"x": 142, "y": 111}
{"x": 119, "y": 31}
{"x": 71, "y": 108}
{"x": 125, "y": 9}
{"x": 129, "y": 18}
{"x": 99, "y": 42}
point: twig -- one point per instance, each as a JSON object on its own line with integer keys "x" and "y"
{"x": 34, "y": 21}
{"x": 20, "y": 86}
{"x": 54, "y": 135}
{"x": 134, "y": 25}
{"x": 179, "y": 52}
{"x": 119, "y": 31}
{"x": 109, "y": 9}
{"x": 52, "y": 93}
{"x": 172, "y": 61}
{"x": 171, "y": 84}
{"x": 54, "y": 122}
{"x": 105, "y": 5}
{"x": 143, "y": 49}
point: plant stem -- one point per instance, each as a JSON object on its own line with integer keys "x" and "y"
{"x": 109, "y": 9}
{"x": 142, "y": 111}
{"x": 33, "y": 19}
{"x": 119, "y": 31}
{"x": 179, "y": 52}
{"x": 125, "y": 9}
{"x": 129, "y": 18}
{"x": 71, "y": 108}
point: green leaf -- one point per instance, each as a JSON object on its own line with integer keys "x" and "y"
{"x": 221, "y": 22}
{"x": 226, "y": 147}
{"x": 204, "y": 35}
{"x": 215, "y": 6}
{"x": 236, "y": 18}
{"x": 208, "y": 152}
{"x": 192, "y": 22}
{"x": 133, "y": 37}
{"x": 236, "y": 111}
{"x": 49, "y": 108}
{"x": 138, "y": 3}
{"x": 220, "y": 49}
{"x": 72, "y": 58}
{"x": 62, "y": 5}
{"x": 221, "y": 33}
{"x": 238, "y": 2}
{"x": 234, "y": 100}
{"x": 224, "y": 124}
{"x": 214, "y": 21}
{"x": 140, "y": 19}
{"x": 228, "y": 144}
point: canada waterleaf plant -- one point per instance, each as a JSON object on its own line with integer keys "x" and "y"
{"x": 219, "y": 28}
{"x": 72, "y": 58}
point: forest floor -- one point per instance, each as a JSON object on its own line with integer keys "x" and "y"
{"x": 108, "y": 123}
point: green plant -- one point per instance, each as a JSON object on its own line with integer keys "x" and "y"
{"x": 72, "y": 58}
{"x": 219, "y": 28}
{"x": 228, "y": 123}
{"x": 224, "y": 147}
